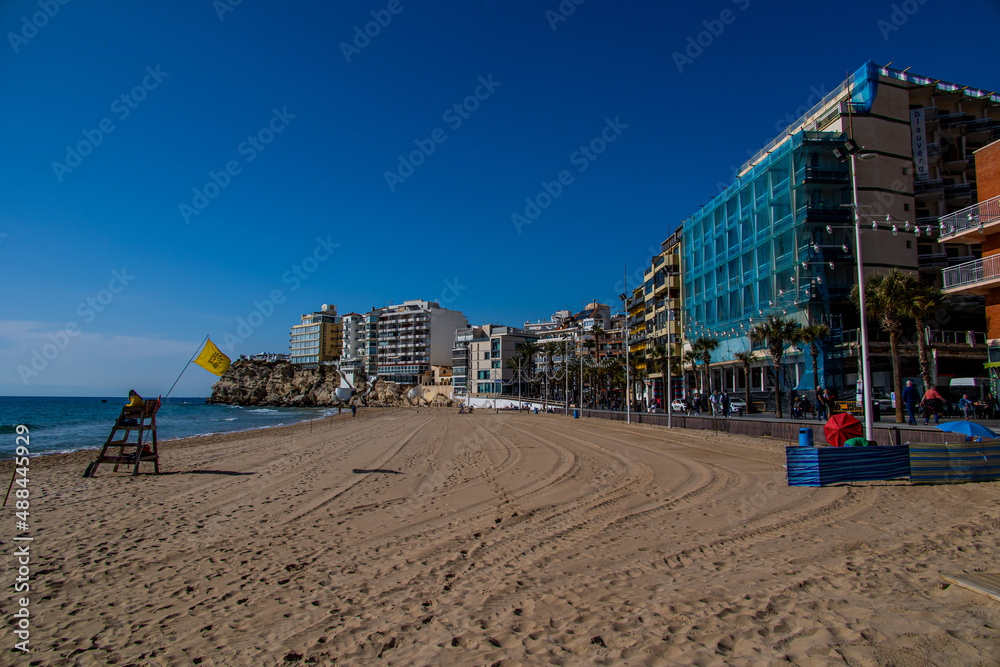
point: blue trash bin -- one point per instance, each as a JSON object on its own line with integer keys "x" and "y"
{"x": 805, "y": 437}
{"x": 576, "y": 414}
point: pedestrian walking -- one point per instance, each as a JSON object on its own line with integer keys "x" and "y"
{"x": 354, "y": 411}
{"x": 911, "y": 397}
{"x": 725, "y": 404}
{"x": 821, "y": 405}
{"x": 932, "y": 403}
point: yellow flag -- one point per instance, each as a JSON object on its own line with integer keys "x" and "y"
{"x": 212, "y": 360}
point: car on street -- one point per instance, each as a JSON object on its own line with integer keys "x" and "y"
{"x": 737, "y": 406}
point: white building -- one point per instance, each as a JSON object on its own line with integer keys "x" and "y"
{"x": 411, "y": 337}
{"x": 352, "y": 350}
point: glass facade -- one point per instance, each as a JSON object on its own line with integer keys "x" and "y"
{"x": 762, "y": 247}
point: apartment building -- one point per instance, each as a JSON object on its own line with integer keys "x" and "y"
{"x": 409, "y": 338}
{"x": 353, "y": 332}
{"x": 317, "y": 338}
{"x": 489, "y": 349}
{"x": 980, "y": 224}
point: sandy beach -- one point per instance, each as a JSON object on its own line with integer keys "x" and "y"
{"x": 425, "y": 537}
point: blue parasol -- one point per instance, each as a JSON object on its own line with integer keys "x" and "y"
{"x": 971, "y": 429}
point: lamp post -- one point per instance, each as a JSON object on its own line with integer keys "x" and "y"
{"x": 851, "y": 151}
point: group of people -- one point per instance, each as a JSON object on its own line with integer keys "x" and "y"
{"x": 716, "y": 403}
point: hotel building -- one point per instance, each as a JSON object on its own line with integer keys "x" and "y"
{"x": 779, "y": 240}
{"x": 316, "y": 339}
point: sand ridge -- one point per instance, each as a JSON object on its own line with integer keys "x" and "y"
{"x": 426, "y": 537}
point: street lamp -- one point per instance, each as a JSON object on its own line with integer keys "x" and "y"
{"x": 851, "y": 151}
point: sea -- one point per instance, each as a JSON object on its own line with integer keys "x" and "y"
{"x": 66, "y": 424}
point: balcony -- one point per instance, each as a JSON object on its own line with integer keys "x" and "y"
{"x": 972, "y": 224}
{"x": 817, "y": 175}
{"x": 979, "y": 276}
{"x": 825, "y": 214}
{"x": 928, "y": 188}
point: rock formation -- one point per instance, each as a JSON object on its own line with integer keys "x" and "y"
{"x": 280, "y": 384}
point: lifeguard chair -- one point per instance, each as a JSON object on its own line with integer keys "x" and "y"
{"x": 140, "y": 421}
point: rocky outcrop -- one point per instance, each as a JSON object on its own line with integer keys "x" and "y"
{"x": 280, "y": 384}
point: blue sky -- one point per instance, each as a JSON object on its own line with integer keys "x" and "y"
{"x": 172, "y": 168}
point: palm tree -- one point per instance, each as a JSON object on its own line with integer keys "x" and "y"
{"x": 638, "y": 374}
{"x": 691, "y": 357}
{"x": 886, "y": 297}
{"x": 776, "y": 333}
{"x": 598, "y": 332}
{"x": 923, "y": 305}
{"x": 661, "y": 356}
{"x": 529, "y": 349}
{"x": 704, "y": 346}
{"x": 615, "y": 371}
{"x": 550, "y": 350}
{"x": 517, "y": 364}
{"x": 745, "y": 358}
{"x": 813, "y": 334}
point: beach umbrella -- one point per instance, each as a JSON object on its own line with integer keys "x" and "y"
{"x": 842, "y": 427}
{"x": 971, "y": 429}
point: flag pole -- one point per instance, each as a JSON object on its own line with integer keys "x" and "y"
{"x": 200, "y": 346}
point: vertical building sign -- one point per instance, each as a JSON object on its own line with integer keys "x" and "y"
{"x": 917, "y": 117}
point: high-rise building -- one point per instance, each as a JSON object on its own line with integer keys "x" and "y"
{"x": 408, "y": 338}
{"x": 352, "y": 350}
{"x": 662, "y": 313}
{"x": 316, "y": 339}
{"x": 780, "y": 239}
{"x": 460, "y": 360}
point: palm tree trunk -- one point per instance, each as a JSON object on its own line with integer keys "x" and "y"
{"x": 923, "y": 353}
{"x": 746, "y": 388}
{"x": 815, "y": 351}
{"x": 777, "y": 389}
{"x": 897, "y": 377}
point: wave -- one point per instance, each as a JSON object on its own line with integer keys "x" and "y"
{"x": 8, "y": 429}
{"x": 263, "y": 411}
{"x": 230, "y": 419}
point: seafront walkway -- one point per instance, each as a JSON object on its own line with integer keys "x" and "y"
{"x": 887, "y": 431}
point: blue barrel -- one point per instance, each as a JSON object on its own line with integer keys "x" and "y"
{"x": 576, "y": 414}
{"x": 805, "y": 437}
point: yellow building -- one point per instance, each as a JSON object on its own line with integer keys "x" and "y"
{"x": 317, "y": 338}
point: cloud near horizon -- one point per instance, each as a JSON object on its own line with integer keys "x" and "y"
{"x": 52, "y": 359}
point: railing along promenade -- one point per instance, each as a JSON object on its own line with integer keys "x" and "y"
{"x": 786, "y": 430}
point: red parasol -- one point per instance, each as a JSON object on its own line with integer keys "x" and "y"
{"x": 842, "y": 427}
